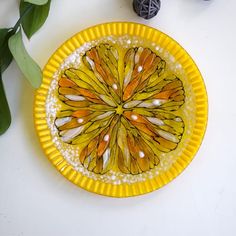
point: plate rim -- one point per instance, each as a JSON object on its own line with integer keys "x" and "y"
{"x": 124, "y": 189}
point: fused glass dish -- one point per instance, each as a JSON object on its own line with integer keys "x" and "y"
{"x": 122, "y": 109}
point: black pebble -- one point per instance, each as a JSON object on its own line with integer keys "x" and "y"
{"x": 146, "y": 8}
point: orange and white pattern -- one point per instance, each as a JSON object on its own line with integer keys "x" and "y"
{"x": 122, "y": 108}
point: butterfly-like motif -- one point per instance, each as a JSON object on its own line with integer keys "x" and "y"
{"x": 121, "y": 108}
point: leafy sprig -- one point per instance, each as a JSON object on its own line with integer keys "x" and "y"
{"x": 33, "y": 14}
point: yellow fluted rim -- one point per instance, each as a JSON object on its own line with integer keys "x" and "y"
{"x": 192, "y": 72}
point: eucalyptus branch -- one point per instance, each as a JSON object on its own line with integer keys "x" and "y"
{"x": 33, "y": 14}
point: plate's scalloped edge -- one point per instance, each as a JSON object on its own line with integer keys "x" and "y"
{"x": 117, "y": 29}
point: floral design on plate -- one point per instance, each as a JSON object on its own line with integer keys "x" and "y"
{"x": 121, "y": 108}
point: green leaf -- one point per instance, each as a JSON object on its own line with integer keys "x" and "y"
{"x": 37, "y": 2}
{"x": 3, "y": 34}
{"x": 35, "y": 18}
{"x": 5, "y": 115}
{"x": 5, "y": 54}
{"x": 27, "y": 65}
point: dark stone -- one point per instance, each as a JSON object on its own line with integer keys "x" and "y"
{"x": 146, "y": 8}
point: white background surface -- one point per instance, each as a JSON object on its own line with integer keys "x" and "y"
{"x": 36, "y": 200}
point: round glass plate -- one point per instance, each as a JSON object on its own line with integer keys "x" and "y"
{"x": 122, "y": 109}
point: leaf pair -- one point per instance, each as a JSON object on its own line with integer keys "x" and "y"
{"x": 33, "y": 14}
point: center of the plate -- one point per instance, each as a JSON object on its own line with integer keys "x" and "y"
{"x": 119, "y": 109}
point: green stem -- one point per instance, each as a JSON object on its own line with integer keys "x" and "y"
{"x": 5, "y": 115}
{"x": 27, "y": 10}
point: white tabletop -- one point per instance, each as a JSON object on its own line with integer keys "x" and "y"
{"x": 37, "y": 200}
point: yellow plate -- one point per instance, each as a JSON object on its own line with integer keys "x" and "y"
{"x": 122, "y": 109}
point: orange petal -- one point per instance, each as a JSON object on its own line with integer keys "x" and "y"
{"x": 87, "y": 93}
{"x": 146, "y": 52}
{"x": 110, "y": 76}
{"x": 81, "y": 113}
{"x": 102, "y": 146}
{"x": 142, "y": 127}
{"x": 93, "y": 54}
{"x": 143, "y": 163}
{"x": 132, "y": 145}
{"x": 151, "y": 68}
{"x": 129, "y": 90}
{"x": 65, "y": 82}
{"x": 133, "y": 116}
{"x": 101, "y": 71}
{"x": 136, "y": 73}
{"x": 70, "y": 125}
{"x": 149, "y": 61}
{"x": 163, "y": 95}
{"x": 103, "y": 143}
